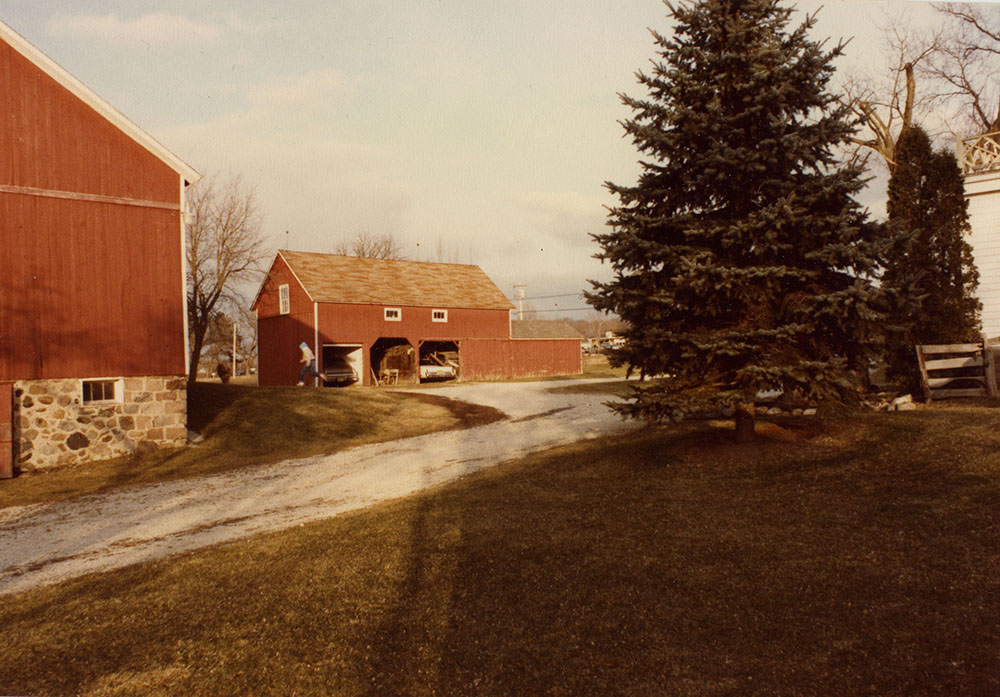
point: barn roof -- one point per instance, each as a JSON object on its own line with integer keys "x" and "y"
{"x": 95, "y": 102}
{"x": 330, "y": 278}
{"x": 542, "y": 329}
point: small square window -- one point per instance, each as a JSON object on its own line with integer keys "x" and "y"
{"x": 439, "y": 315}
{"x": 283, "y": 303}
{"x": 99, "y": 391}
{"x": 393, "y": 314}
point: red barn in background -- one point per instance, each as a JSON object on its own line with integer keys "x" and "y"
{"x": 400, "y": 321}
{"x": 92, "y": 288}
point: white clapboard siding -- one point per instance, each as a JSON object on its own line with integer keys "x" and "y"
{"x": 983, "y": 193}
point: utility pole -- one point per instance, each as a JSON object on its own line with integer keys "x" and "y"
{"x": 519, "y": 290}
{"x": 234, "y": 349}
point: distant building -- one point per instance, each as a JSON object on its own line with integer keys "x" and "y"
{"x": 394, "y": 320}
{"x": 93, "y": 321}
{"x": 543, "y": 329}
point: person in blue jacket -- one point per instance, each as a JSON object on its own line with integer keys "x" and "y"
{"x": 308, "y": 362}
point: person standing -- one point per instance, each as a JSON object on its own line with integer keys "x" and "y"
{"x": 308, "y": 362}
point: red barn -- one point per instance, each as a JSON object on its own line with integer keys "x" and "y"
{"x": 92, "y": 287}
{"x": 401, "y": 321}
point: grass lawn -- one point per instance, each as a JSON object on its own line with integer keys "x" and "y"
{"x": 245, "y": 426}
{"x": 859, "y": 557}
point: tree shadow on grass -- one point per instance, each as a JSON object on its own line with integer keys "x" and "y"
{"x": 769, "y": 569}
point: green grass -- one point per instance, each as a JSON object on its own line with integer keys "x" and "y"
{"x": 245, "y": 426}
{"x": 856, "y": 557}
{"x": 597, "y": 366}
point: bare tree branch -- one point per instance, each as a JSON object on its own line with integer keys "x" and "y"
{"x": 966, "y": 66}
{"x": 370, "y": 246}
{"x": 887, "y": 104}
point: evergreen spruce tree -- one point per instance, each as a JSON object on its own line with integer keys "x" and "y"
{"x": 929, "y": 269}
{"x": 741, "y": 259}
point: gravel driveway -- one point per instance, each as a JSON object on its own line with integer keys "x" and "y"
{"x": 47, "y": 543}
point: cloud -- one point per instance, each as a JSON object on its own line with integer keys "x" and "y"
{"x": 156, "y": 29}
{"x": 314, "y": 87}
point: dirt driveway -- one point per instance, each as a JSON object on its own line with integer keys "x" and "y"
{"x": 47, "y": 543}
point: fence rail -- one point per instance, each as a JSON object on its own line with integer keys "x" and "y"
{"x": 974, "y": 359}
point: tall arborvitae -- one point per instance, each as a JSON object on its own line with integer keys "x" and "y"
{"x": 929, "y": 267}
{"x": 740, "y": 256}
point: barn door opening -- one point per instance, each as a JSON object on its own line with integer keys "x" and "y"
{"x": 342, "y": 365}
{"x": 394, "y": 361}
{"x": 439, "y": 360}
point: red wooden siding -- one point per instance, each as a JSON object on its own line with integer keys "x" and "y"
{"x": 87, "y": 288}
{"x": 50, "y": 139}
{"x": 279, "y": 336}
{"x": 491, "y": 359}
{"x": 6, "y": 430}
{"x": 357, "y": 324}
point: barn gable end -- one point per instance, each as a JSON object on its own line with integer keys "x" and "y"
{"x": 92, "y": 293}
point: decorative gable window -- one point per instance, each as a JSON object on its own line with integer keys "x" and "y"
{"x": 100, "y": 391}
{"x": 283, "y": 304}
{"x": 439, "y": 315}
{"x": 393, "y": 314}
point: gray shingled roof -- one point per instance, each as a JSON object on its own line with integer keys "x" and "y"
{"x": 542, "y": 329}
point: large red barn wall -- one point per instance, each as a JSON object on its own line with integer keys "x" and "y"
{"x": 493, "y": 359}
{"x": 357, "y": 324}
{"x": 365, "y": 324}
{"x": 88, "y": 289}
{"x": 50, "y": 139}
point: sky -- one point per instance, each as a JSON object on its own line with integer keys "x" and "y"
{"x": 473, "y": 131}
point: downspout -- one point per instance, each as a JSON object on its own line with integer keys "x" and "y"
{"x": 185, "y": 221}
{"x": 316, "y": 339}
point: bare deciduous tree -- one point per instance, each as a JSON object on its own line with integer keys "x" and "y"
{"x": 370, "y": 246}
{"x": 225, "y": 247}
{"x": 966, "y": 65}
{"x": 887, "y": 104}
{"x": 246, "y": 327}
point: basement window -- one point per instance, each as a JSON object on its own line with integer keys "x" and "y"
{"x": 283, "y": 304}
{"x": 439, "y": 315}
{"x": 101, "y": 391}
{"x": 393, "y": 314}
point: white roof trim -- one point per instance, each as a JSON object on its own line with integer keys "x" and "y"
{"x": 267, "y": 277}
{"x": 91, "y": 98}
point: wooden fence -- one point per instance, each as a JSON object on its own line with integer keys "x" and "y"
{"x": 956, "y": 370}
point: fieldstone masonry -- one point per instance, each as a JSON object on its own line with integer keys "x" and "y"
{"x": 52, "y": 425}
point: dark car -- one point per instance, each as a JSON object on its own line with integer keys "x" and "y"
{"x": 337, "y": 371}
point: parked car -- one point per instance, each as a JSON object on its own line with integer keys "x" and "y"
{"x": 438, "y": 366}
{"x": 437, "y": 372}
{"x": 337, "y": 371}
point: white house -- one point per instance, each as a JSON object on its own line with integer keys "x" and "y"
{"x": 979, "y": 158}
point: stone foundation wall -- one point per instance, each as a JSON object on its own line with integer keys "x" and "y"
{"x": 52, "y": 425}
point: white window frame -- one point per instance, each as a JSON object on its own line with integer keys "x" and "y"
{"x": 119, "y": 391}
{"x": 392, "y": 314}
{"x": 435, "y": 318}
{"x": 284, "y": 300}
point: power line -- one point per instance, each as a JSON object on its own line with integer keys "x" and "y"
{"x": 560, "y": 309}
{"x": 558, "y": 295}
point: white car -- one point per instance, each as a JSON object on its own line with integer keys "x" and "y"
{"x": 437, "y": 372}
